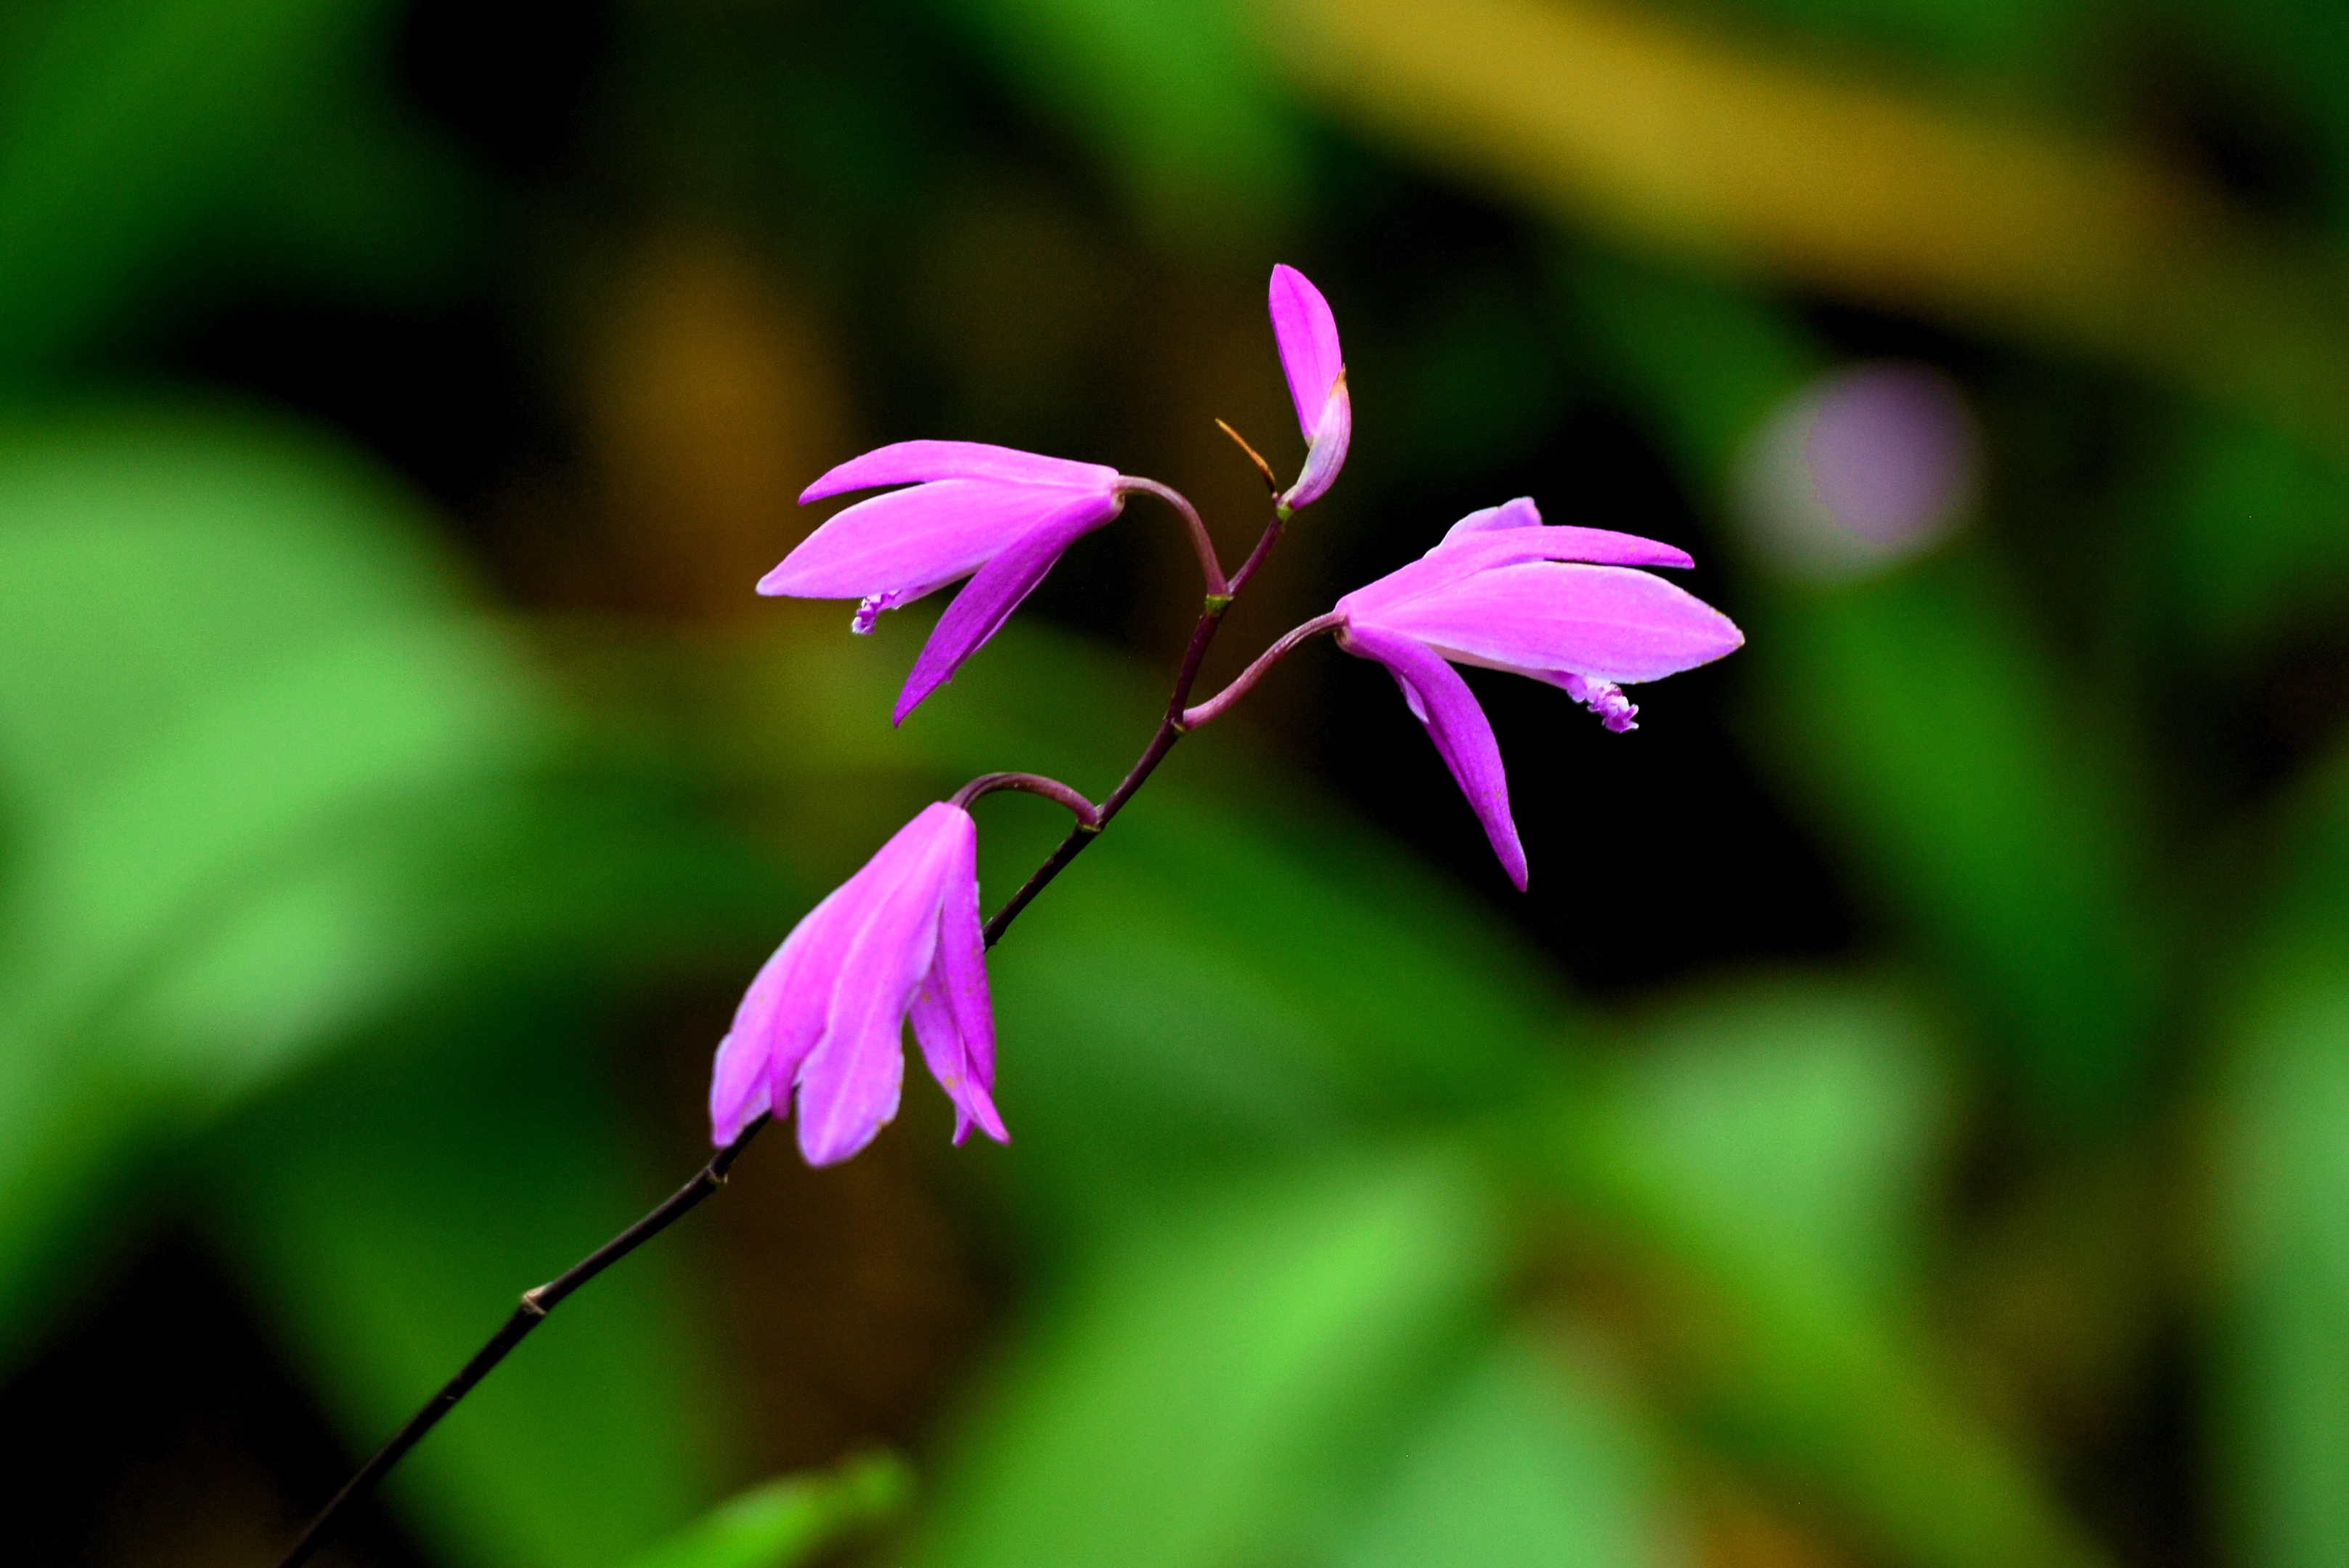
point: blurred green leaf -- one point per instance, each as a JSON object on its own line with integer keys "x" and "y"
{"x": 2258, "y": 532}
{"x": 389, "y": 1209}
{"x": 273, "y": 786}
{"x": 1814, "y": 1114}
{"x": 1521, "y": 1464}
{"x": 789, "y": 1521}
{"x": 1932, "y": 738}
{"x": 1173, "y": 92}
{"x": 2281, "y": 1159}
{"x": 227, "y": 655}
{"x": 1933, "y": 743}
{"x": 1763, "y": 1215}
{"x": 2282, "y": 1352}
{"x": 139, "y": 137}
{"x": 1996, "y": 37}
{"x": 1220, "y": 1387}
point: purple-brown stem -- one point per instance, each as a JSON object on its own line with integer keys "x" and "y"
{"x": 1053, "y": 790}
{"x": 1210, "y": 566}
{"x": 1214, "y": 707}
{"x": 1090, "y": 819}
{"x": 1169, "y": 730}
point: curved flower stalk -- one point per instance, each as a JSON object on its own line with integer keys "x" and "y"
{"x": 826, "y": 1014}
{"x": 1558, "y": 603}
{"x": 1307, "y": 335}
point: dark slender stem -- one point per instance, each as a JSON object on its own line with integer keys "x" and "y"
{"x": 1171, "y": 728}
{"x": 535, "y": 1306}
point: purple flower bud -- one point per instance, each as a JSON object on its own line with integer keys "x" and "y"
{"x": 1505, "y": 590}
{"x": 827, "y": 1016}
{"x": 969, "y": 509}
{"x": 1307, "y": 336}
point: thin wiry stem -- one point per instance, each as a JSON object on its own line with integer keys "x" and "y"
{"x": 535, "y": 1307}
{"x": 1210, "y": 567}
{"x": 1207, "y": 712}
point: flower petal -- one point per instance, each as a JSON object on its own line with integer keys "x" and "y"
{"x": 979, "y": 611}
{"x": 1604, "y": 622}
{"x": 912, "y": 462}
{"x": 778, "y": 1021}
{"x": 1441, "y": 700}
{"x": 1520, "y": 512}
{"x": 738, "y": 1087}
{"x": 960, "y": 978}
{"x": 1479, "y": 542}
{"x": 849, "y": 1084}
{"x": 1327, "y": 455}
{"x": 1307, "y": 336}
{"x": 909, "y": 543}
{"x": 1564, "y": 542}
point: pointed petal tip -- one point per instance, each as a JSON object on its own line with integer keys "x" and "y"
{"x": 976, "y": 1107}
{"x": 1327, "y": 454}
{"x": 1306, "y": 335}
{"x": 919, "y": 462}
{"x": 832, "y": 1146}
{"x": 726, "y": 1121}
{"x": 915, "y": 693}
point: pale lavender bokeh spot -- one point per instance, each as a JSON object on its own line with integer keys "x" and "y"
{"x": 1863, "y": 468}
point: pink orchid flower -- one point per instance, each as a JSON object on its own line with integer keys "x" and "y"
{"x": 970, "y": 508}
{"x": 826, "y": 1014}
{"x": 1307, "y": 336}
{"x": 1506, "y": 591}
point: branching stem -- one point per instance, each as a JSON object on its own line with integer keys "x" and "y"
{"x": 1207, "y": 712}
{"x": 1171, "y": 727}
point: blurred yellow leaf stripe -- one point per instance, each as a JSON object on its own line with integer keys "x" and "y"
{"x": 1707, "y": 147}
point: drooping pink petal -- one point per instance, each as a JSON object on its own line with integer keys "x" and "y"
{"x": 958, "y": 984}
{"x": 1607, "y": 622}
{"x": 913, "y": 461}
{"x": 1307, "y": 336}
{"x": 979, "y": 611}
{"x": 849, "y": 1084}
{"x": 952, "y": 1018}
{"x": 779, "y": 1021}
{"x": 908, "y": 543}
{"x": 1327, "y": 455}
{"x": 738, "y": 1087}
{"x": 1441, "y": 700}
